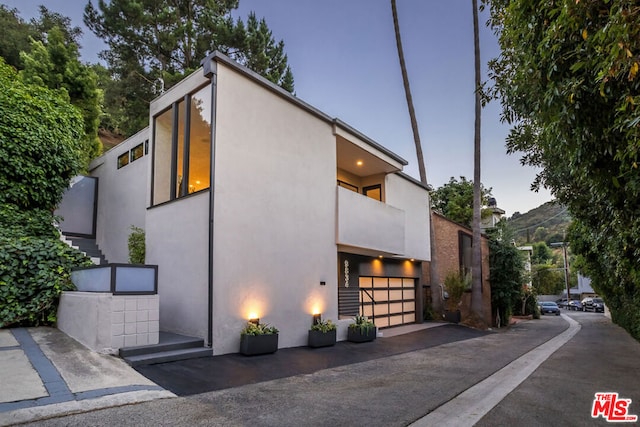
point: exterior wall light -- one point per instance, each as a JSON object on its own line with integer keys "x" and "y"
{"x": 254, "y": 320}
{"x": 317, "y": 318}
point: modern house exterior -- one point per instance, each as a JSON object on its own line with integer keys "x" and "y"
{"x": 257, "y": 205}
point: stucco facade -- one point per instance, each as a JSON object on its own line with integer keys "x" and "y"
{"x": 262, "y": 225}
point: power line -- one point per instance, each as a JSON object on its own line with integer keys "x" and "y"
{"x": 540, "y": 223}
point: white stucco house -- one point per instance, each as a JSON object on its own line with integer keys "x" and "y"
{"x": 256, "y": 204}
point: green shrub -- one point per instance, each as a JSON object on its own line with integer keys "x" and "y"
{"x": 137, "y": 247}
{"x": 41, "y": 149}
{"x": 33, "y": 273}
{"x": 456, "y": 283}
{"x": 259, "y": 329}
{"x": 324, "y": 326}
{"x": 363, "y": 323}
{"x": 16, "y": 223}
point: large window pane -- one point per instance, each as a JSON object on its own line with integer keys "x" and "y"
{"x": 183, "y": 149}
{"x": 200, "y": 140}
{"x": 162, "y": 160}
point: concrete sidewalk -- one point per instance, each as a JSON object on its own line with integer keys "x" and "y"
{"x": 43, "y": 372}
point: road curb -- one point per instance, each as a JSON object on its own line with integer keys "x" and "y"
{"x": 471, "y": 405}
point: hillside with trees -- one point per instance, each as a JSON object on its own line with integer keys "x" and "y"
{"x": 546, "y": 223}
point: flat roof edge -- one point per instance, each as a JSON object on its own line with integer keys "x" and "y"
{"x": 224, "y": 59}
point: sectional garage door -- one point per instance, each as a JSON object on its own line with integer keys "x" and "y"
{"x": 389, "y": 301}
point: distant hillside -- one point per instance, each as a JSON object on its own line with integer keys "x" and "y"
{"x": 547, "y": 223}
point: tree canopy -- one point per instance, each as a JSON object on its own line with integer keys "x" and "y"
{"x": 568, "y": 81}
{"x": 454, "y": 200}
{"x": 154, "y": 44}
{"x": 46, "y": 51}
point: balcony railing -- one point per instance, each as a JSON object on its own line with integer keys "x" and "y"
{"x": 369, "y": 224}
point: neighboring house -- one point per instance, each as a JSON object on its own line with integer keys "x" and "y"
{"x": 453, "y": 246}
{"x": 492, "y": 215}
{"x": 256, "y": 204}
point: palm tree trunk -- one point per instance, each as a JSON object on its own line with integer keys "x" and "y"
{"x": 433, "y": 266}
{"x": 476, "y": 286}
{"x": 407, "y": 91}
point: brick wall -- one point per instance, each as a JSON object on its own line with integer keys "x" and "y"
{"x": 448, "y": 252}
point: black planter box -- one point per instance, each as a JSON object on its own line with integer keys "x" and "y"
{"x": 452, "y": 316}
{"x": 322, "y": 339}
{"x": 361, "y": 335}
{"x": 251, "y": 345}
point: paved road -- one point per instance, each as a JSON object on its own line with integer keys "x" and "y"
{"x": 401, "y": 389}
{"x": 600, "y": 358}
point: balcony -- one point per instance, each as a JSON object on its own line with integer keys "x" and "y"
{"x": 369, "y": 225}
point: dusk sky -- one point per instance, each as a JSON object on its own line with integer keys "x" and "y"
{"x": 345, "y": 63}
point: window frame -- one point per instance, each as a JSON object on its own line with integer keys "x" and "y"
{"x": 176, "y": 193}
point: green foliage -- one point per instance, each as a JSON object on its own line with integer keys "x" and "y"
{"x": 428, "y": 313}
{"x": 456, "y": 283}
{"x": 506, "y": 272}
{"x": 454, "y": 200}
{"x": 324, "y": 326}
{"x": 547, "y": 223}
{"x": 56, "y": 64}
{"x": 548, "y": 279}
{"x": 40, "y": 150}
{"x": 542, "y": 254}
{"x": 36, "y": 222}
{"x": 568, "y": 81}
{"x": 156, "y": 43}
{"x": 363, "y": 323}
{"x": 259, "y": 329}
{"x": 137, "y": 246}
{"x": 260, "y": 52}
{"x": 17, "y": 35}
{"x": 34, "y": 267}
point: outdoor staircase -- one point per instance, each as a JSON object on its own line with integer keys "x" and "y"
{"x": 171, "y": 347}
{"x": 86, "y": 245}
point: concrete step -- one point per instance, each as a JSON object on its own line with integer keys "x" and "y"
{"x": 88, "y": 246}
{"x": 168, "y": 356}
{"x": 170, "y": 347}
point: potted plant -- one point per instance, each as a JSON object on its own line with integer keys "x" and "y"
{"x": 455, "y": 285}
{"x": 322, "y": 334}
{"x": 361, "y": 330}
{"x": 258, "y": 338}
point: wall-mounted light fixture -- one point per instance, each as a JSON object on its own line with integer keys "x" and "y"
{"x": 255, "y": 321}
{"x": 323, "y": 283}
{"x": 317, "y": 318}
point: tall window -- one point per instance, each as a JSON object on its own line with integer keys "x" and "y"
{"x": 465, "y": 246}
{"x": 182, "y": 147}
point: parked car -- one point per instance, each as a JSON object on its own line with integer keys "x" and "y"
{"x": 593, "y": 304}
{"x": 575, "y": 305}
{"x": 549, "y": 307}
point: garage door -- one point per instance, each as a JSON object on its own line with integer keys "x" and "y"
{"x": 388, "y": 301}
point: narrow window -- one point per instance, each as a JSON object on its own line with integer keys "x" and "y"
{"x": 374, "y": 191}
{"x": 123, "y": 160}
{"x": 137, "y": 152}
{"x": 200, "y": 140}
{"x": 348, "y": 186}
{"x": 162, "y": 145}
